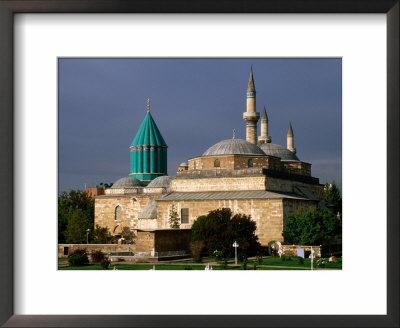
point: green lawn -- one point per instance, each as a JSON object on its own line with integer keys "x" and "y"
{"x": 268, "y": 263}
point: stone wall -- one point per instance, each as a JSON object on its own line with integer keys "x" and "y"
{"x": 145, "y": 241}
{"x": 131, "y": 205}
{"x": 300, "y": 168}
{"x": 291, "y": 250}
{"x": 164, "y": 240}
{"x": 285, "y": 185}
{"x": 268, "y": 214}
{"x": 218, "y": 183}
{"x": 105, "y": 248}
{"x": 234, "y": 162}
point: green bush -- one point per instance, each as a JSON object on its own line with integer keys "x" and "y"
{"x": 78, "y": 259}
{"x": 105, "y": 263}
{"x": 283, "y": 258}
{"x": 300, "y": 260}
{"x": 187, "y": 267}
{"x": 244, "y": 263}
{"x": 197, "y": 248}
{"x": 97, "y": 256}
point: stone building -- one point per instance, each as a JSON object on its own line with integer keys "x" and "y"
{"x": 253, "y": 176}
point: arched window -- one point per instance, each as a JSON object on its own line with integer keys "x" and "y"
{"x": 194, "y": 165}
{"x": 250, "y": 163}
{"x": 217, "y": 163}
{"x": 118, "y": 213}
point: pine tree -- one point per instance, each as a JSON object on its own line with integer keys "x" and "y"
{"x": 174, "y": 220}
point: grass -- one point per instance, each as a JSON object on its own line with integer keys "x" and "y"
{"x": 268, "y": 263}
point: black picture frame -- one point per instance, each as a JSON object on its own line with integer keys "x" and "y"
{"x": 7, "y": 10}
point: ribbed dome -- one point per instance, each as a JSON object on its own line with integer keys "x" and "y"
{"x": 160, "y": 182}
{"x": 183, "y": 164}
{"x": 234, "y": 147}
{"x": 279, "y": 151}
{"x": 127, "y": 182}
{"x": 148, "y": 133}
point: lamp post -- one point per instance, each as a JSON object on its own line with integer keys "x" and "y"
{"x": 235, "y": 245}
{"x": 87, "y": 235}
{"x": 312, "y": 258}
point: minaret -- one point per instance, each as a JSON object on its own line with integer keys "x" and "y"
{"x": 148, "y": 151}
{"x": 290, "y": 139}
{"x": 251, "y": 116}
{"x": 264, "y": 137}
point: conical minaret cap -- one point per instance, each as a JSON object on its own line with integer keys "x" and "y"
{"x": 264, "y": 116}
{"x": 250, "y": 86}
{"x": 290, "y": 130}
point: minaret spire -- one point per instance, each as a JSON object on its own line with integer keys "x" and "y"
{"x": 148, "y": 105}
{"x": 264, "y": 137}
{"x": 251, "y": 116}
{"x": 290, "y": 139}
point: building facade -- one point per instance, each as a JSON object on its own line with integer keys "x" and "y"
{"x": 253, "y": 177}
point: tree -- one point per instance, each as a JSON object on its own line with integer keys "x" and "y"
{"x": 101, "y": 235}
{"x": 78, "y": 223}
{"x": 314, "y": 227}
{"x": 67, "y": 204}
{"x": 174, "y": 220}
{"x": 128, "y": 235}
{"x": 333, "y": 197}
{"x": 219, "y": 229}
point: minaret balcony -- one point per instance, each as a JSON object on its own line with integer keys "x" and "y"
{"x": 251, "y": 116}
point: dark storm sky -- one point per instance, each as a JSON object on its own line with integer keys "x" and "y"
{"x": 195, "y": 103}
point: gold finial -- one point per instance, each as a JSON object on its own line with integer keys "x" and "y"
{"x": 148, "y": 104}
{"x": 234, "y": 134}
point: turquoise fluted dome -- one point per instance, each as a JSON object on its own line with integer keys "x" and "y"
{"x": 148, "y": 151}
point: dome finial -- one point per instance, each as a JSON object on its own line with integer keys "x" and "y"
{"x": 234, "y": 134}
{"x": 148, "y": 104}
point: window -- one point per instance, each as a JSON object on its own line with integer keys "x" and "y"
{"x": 184, "y": 215}
{"x": 250, "y": 163}
{"x": 194, "y": 165}
{"x": 118, "y": 213}
{"x": 66, "y": 249}
{"x": 217, "y": 163}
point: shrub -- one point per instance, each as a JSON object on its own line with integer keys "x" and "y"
{"x": 78, "y": 259}
{"x": 244, "y": 263}
{"x": 97, "y": 256}
{"x": 300, "y": 260}
{"x": 105, "y": 263}
{"x": 197, "y": 248}
{"x": 283, "y": 258}
{"x": 187, "y": 267}
{"x": 320, "y": 262}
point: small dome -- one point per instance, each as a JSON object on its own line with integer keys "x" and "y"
{"x": 127, "y": 182}
{"x": 279, "y": 151}
{"x": 160, "y": 182}
{"x": 233, "y": 147}
{"x": 183, "y": 164}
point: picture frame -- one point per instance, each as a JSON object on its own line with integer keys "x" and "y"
{"x": 8, "y": 8}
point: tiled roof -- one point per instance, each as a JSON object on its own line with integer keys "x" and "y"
{"x": 149, "y": 211}
{"x": 221, "y": 195}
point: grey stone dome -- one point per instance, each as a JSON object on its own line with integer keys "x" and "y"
{"x": 279, "y": 151}
{"x": 233, "y": 147}
{"x": 127, "y": 182}
{"x": 160, "y": 182}
{"x": 183, "y": 164}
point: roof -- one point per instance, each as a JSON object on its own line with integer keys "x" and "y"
{"x": 279, "y": 151}
{"x": 148, "y": 133}
{"x": 290, "y": 130}
{"x": 183, "y": 164}
{"x": 127, "y": 182}
{"x": 221, "y": 195}
{"x": 233, "y": 147}
{"x": 160, "y": 182}
{"x": 250, "y": 86}
{"x": 264, "y": 116}
{"x": 149, "y": 211}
